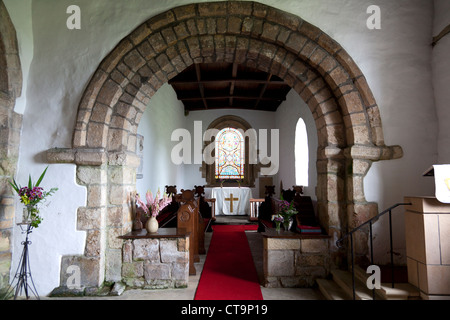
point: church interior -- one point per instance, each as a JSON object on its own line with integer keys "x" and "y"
{"x": 224, "y": 113}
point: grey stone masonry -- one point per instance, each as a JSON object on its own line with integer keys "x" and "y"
{"x": 155, "y": 262}
{"x": 294, "y": 260}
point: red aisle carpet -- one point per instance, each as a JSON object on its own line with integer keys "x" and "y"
{"x": 229, "y": 272}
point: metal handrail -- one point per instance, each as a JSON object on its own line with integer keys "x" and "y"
{"x": 340, "y": 241}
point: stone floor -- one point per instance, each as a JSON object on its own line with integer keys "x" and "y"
{"x": 255, "y": 242}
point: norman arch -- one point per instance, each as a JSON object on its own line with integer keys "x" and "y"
{"x": 249, "y": 33}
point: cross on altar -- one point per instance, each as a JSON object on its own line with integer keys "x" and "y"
{"x": 231, "y": 199}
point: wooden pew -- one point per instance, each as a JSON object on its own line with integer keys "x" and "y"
{"x": 206, "y": 211}
{"x": 266, "y": 211}
{"x": 167, "y": 216}
{"x": 187, "y": 222}
{"x": 306, "y": 214}
{"x": 199, "y": 226}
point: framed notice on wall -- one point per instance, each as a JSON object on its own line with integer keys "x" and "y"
{"x": 140, "y": 154}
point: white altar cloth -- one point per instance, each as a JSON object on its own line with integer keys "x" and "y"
{"x": 232, "y": 200}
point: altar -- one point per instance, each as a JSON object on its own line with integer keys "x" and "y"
{"x": 232, "y": 200}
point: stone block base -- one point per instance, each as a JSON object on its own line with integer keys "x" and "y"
{"x": 155, "y": 263}
{"x": 295, "y": 262}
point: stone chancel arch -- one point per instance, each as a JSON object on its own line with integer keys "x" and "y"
{"x": 248, "y": 33}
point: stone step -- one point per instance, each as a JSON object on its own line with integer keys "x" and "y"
{"x": 401, "y": 291}
{"x": 331, "y": 290}
{"x": 344, "y": 280}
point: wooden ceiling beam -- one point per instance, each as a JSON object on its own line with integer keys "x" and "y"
{"x": 233, "y": 97}
{"x": 263, "y": 90}
{"x": 211, "y": 86}
{"x": 245, "y": 107}
{"x": 200, "y": 85}
{"x": 235, "y": 81}
{"x": 232, "y": 84}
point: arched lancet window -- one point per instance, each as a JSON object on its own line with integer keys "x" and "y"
{"x": 240, "y": 167}
{"x": 301, "y": 154}
{"x": 230, "y": 154}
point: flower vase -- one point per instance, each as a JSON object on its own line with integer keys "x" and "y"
{"x": 277, "y": 226}
{"x": 152, "y": 225}
{"x": 28, "y": 217}
{"x": 287, "y": 224}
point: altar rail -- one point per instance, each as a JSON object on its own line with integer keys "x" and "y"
{"x": 254, "y": 208}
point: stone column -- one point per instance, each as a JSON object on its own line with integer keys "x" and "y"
{"x": 359, "y": 158}
{"x": 10, "y": 128}
{"x": 10, "y": 125}
{"x": 121, "y": 183}
{"x": 358, "y": 209}
{"x": 331, "y": 197}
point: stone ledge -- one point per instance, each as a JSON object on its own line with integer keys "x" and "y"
{"x": 91, "y": 157}
{"x": 368, "y": 152}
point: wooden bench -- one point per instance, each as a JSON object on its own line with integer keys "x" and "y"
{"x": 207, "y": 206}
{"x": 190, "y": 221}
{"x": 305, "y": 221}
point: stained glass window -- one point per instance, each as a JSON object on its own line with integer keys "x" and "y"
{"x": 229, "y": 154}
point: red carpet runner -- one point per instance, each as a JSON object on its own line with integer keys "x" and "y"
{"x": 229, "y": 272}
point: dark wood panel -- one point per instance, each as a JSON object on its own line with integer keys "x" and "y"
{"x": 227, "y": 85}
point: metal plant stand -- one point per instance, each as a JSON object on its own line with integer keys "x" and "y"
{"x": 23, "y": 276}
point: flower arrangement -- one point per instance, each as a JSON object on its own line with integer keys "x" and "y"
{"x": 154, "y": 204}
{"x": 287, "y": 211}
{"x": 31, "y": 196}
{"x": 278, "y": 219}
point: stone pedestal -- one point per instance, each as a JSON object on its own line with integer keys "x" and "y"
{"x": 293, "y": 260}
{"x": 427, "y": 223}
{"x": 155, "y": 261}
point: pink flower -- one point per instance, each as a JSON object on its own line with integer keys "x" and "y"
{"x": 141, "y": 204}
{"x": 149, "y": 197}
{"x": 154, "y": 204}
